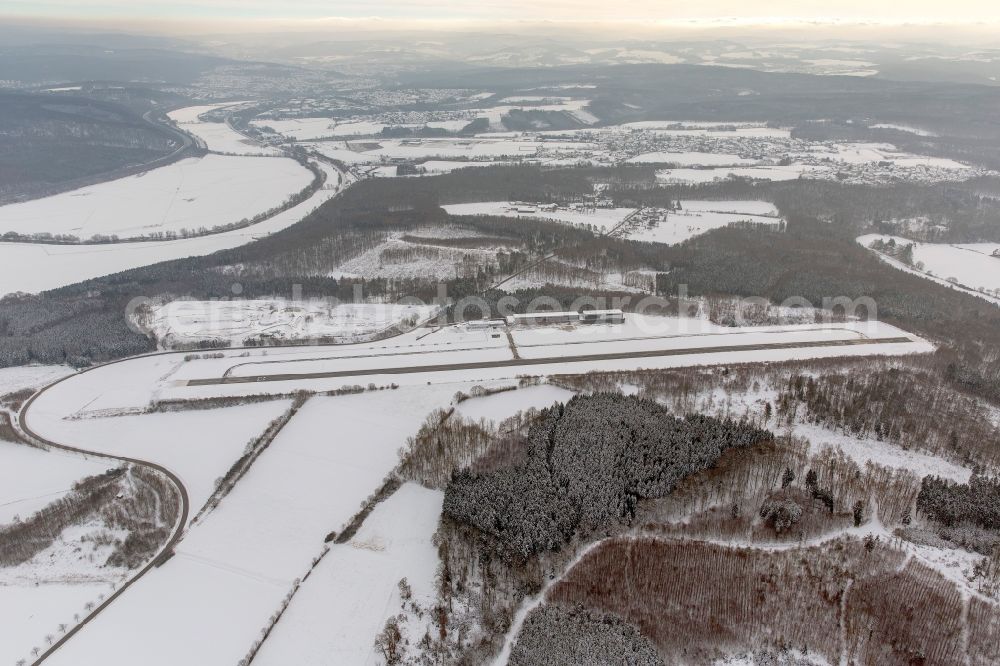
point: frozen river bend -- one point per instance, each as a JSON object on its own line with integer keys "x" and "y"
{"x": 175, "y": 211}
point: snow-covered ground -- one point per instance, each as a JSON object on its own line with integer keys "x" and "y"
{"x": 694, "y": 218}
{"x": 35, "y": 267}
{"x": 31, "y": 612}
{"x": 724, "y": 403}
{"x": 192, "y": 194}
{"x": 241, "y": 561}
{"x": 499, "y": 406}
{"x": 217, "y": 136}
{"x": 347, "y": 598}
{"x": 601, "y": 218}
{"x": 46, "y": 591}
{"x": 860, "y": 153}
{"x": 698, "y": 217}
{"x": 31, "y": 478}
{"x": 31, "y": 376}
{"x": 955, "y": 564}
{"x": 180, "y": 322}
{"x": 435, "y": 261}
{"x": 334, "y": 617}
{"x": 864, "y": 450}
{"x": 199, "y": 446}
{"x": 970, "y": 266}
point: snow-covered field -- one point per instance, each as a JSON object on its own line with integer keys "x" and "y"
{"x": 499, "y": 406}
{"x": 698, "y": 217}
{"x": 190, "y": 114}
{"x": 240, "y": 562}
{"x": 970, "y": 266}
{"x": 344, "y": 603}
{"x": 31, "y": 376}
{"x": 46, "y": 591}
{"x": 31, "y": 478}
{"x": 179, "y": 322}
{"x": 192, "y": 194}
{"x": 724, "y": 403}
{"x": 217, "y": 137}
{"x": 867, "y": 450}
{"x": 199, "y": 446}
{"x": 860, "y": 153}
{"x": 334, "y": 617}
{"x": 694, "y": 218}
{"x": 601, "y": 218}
{"x": 35, "y": 267}
{"x": 439, "y": 262}
{"x": 31, "y": 612}
{"x": 220, "y": 138}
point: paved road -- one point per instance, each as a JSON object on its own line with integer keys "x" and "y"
{"x": 509, "y": 363}
{"x": 168, "y": 547}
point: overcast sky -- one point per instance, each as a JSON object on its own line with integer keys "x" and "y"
{"x": 640, "y": 11}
